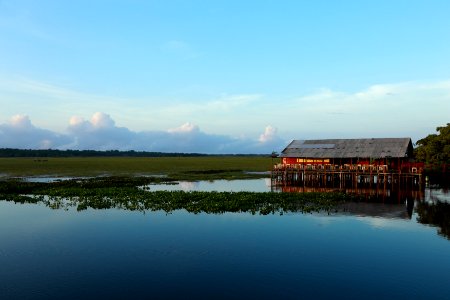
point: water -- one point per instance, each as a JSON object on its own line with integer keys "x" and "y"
{"x": 50, "y": 179}
{"x": 251, "y": 185}
{"x": 372, "y": 251}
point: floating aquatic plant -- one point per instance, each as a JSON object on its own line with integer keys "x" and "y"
{"x": 124, "y": 193}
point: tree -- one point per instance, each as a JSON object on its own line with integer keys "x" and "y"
{"x": 435, "y": 148}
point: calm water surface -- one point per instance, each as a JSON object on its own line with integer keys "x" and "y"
{"x": 372, "y": 251}
{"x": 251, "y": 185}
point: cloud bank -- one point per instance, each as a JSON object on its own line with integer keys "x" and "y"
{"x": 100, "y": 132}
{"x": 411, "y": 109}
{"x": 19, "y": 132}
{"x": 240, "y": 122}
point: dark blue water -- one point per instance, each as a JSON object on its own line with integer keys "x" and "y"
{"x": 114, "y": 254}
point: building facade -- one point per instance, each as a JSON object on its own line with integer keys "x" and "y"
{"x": 391, "y": 154}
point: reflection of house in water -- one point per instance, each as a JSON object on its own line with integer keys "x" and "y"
{"x": 379, "y": 210}
{"x": 389, "y": 203}
{"x": 395, "y": 195}
{"x": 381, "y": 172}
{"x": 349, "y": 163}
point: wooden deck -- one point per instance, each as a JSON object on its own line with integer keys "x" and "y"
{"x": 346, "y": 176}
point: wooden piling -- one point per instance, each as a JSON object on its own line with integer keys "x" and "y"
{"x": 353, "y": 176}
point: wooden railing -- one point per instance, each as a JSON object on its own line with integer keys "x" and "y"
{"x": 415, "y": 168}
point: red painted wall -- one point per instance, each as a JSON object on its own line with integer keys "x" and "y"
{"x": 304, "y": 161}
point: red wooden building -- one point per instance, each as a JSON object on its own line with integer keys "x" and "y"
{"x": 390, "y": 154}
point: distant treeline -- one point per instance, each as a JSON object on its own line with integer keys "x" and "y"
{"x": 9, "y": 152}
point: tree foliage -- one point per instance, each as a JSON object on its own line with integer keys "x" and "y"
{"x": 435, "y": 148}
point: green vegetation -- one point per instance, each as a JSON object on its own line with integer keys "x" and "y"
{"x": 126, "y": 193}
{"x": 435, "y": 148}
{"x": 187, "y": 168}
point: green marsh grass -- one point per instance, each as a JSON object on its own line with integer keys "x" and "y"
{"x": 118, "y": 185}
{"x": 187, "y": 168}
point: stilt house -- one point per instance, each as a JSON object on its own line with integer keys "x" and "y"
{"x": 395, "y": 154}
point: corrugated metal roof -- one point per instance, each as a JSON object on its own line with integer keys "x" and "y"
{"x": 349, "y": 148}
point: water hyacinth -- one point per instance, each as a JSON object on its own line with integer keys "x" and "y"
{"x": 124, "y": 193}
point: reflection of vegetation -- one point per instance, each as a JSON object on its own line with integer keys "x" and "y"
{"x": 437, "y": 214}
{"x": 123, "y": 193}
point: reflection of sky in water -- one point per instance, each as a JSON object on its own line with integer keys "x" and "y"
{"x": 251, "y": 185}
{"x": 122, "y": 254}
{"x": 400, "y": 224}
{"x": 437, "y": 195}
{"x": 258, "y": 185}
{"x": 50, "y": 179}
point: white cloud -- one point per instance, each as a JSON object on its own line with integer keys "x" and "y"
{"x": 21, "y": 122}
{"x": 55, "y": 103}
{"x": 98, "y": 121}
{"x": 411, "y": 109}
{"x": 185, "y": 128}
{"x": 376, "y": 96}
{"x": 101, "y": 133}
{"x": 76, "y": 121}
{"x": 102, "y": 120}
{"x": 19, "y": 132}
{"x": 268, "y": 135}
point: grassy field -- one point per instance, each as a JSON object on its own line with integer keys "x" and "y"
{"x": 209, "y": 167}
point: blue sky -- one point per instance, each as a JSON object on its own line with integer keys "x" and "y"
{"x": 220, "y": 76}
